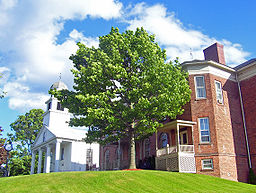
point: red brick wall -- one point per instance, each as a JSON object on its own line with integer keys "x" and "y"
{"x": 227, "y": 137}
{"x": 248, "y": 89}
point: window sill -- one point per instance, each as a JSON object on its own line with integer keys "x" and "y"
{"x": 199, "y": 99}
{"x": 204, "y": 143}
{"x": 207, "y": 170}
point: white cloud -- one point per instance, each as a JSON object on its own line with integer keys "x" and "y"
{"x": 175, "y": 37}
{"x": 22, "y": 99}
{"x": 28, "y": 34}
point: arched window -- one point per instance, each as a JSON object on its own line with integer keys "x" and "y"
{"x": 146, "y": 148}
{"x": 163, "y": 140}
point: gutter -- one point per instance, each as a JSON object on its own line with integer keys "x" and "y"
{"x": 244, "y": 123}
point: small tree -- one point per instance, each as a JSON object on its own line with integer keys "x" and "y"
{"x": 124, "y": 88}
{"x": 25, "y": 129}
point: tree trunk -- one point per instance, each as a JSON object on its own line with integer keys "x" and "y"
{"x": 132, "y": 151}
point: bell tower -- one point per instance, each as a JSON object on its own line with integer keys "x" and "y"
{"x": 56, "y": 116}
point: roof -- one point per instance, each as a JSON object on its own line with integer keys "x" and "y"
{"x": 245, "y": 64}
{"x": 210, "y": 62}
{"x": 59, "y": 86}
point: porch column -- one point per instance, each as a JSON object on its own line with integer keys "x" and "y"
{"x": 48, "y": 159}
{"x": 32, "y": 169}
{"x": 178, "y": 137}
{"x": 39, "y": 161}
{"x": 57, "y": 155}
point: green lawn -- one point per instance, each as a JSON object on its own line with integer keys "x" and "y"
{"x": 121, "y": 181}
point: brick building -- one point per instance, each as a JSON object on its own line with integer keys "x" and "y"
{"x": 214, "y": 136}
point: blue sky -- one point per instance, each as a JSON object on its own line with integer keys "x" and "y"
{"x": 37, "y": 38}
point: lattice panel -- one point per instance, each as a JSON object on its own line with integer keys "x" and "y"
{"x": 161, "y": 164}
{"x": 187, "y": 164}
{"x": 172, "y": 164}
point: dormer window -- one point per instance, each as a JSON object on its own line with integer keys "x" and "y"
{"x": 59, "y": 107}
{"x": 49, "y": 106}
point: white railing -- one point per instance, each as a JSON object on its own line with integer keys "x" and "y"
{"x": 173, "y": 149}
{"x": 166, "y": 150}
{"x": 187, "y": 148}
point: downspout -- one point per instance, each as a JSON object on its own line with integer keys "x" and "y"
{"x": 244, "y": 123}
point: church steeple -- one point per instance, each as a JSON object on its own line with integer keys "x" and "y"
{"x": 55, "y": 114}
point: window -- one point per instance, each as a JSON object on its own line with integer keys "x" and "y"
{"x": 62, "y": 154}
{"x": 163, "y": 140}
{"x": 204, "y": 130}
{"x": 44, "y": 136}
{"x": 146, "y": 147}
{"x": 200, "y": 87}
{"x": 219, "y": 95}
{"x": 59, "y": 107}
{"x": 49, "y": 106}
{"x": 207, "y": 164}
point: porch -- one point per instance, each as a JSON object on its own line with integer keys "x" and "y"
{"x": 177, "y": 152}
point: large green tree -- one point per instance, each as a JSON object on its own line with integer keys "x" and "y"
{"x": 25, "y": 130}
{"x": 124, "y": 88}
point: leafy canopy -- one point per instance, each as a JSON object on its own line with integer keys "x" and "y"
{"x": 124, "y": 86}
{"x": 25, "y": 129}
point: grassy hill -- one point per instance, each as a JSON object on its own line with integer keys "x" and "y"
{"x": 121, "y": 181}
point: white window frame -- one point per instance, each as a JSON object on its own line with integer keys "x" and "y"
{"x": 196, "y": 87}
{"x": 219, "y": 92}
{"x": 210, "y": 165}
{"x": 200, "y": 135}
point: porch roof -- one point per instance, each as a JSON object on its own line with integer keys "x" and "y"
{"x": 173, "y": 125}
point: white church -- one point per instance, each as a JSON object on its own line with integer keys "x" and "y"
{"x": 62, "y": 145}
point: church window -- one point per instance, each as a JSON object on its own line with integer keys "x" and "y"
{"x": 163, "y": 140}
{"x": 147, "y": 147}
{"x": 200, "y": 87}
{"x": 62, "y": 154}
{"x": 59, "y": 107}
{"x": 49, "y": 106}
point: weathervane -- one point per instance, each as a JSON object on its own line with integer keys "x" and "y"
{"x": 60, "y": 76}
{"x": 191, "y": 54}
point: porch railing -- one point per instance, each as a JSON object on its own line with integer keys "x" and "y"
{"x": 173, "y": 149}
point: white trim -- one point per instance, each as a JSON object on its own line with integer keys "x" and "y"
{"x": 220, "y": 101}
{"x": 209, "y": 67}
{"x": 207, "y": 168}
{"x": 199, "y": 129}
{"x": 195, "y": 82}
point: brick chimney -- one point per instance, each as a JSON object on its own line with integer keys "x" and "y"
{"x": 215, "y": 52}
